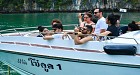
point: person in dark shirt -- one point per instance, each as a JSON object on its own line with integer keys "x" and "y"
{"x": 42, "y": 31}
{"x": 112, "y": 29}
{"x": 123, "y": 29}
{"x": 133, "y": 26}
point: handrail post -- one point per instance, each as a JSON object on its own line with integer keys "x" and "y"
{"x": 0, "y": 34}
{"x": 18, "y": 32}
{"x": 8, "y": 70}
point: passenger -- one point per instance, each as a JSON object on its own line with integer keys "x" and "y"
{"x": 42, "y": 31}
{"x": 101, "y": 25}
{"x": 118, "y": 20}
{"x": 57, "y": 28}
{"x": 81, "y": 17}
{"x": 55, "y": 21}
{"x": 133, "y": 26}
{"x": 57, "y": 33}
{"x": 113, "y": 29}
{"x": 123, "y": 29}
{"x": 87, "y": 21}
{"x": 84, "y": 35}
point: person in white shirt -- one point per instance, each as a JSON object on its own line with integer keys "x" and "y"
{"x": 101, "y": 25}
{"x": 57, "y": 33}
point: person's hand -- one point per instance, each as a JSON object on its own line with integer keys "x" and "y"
{"x": 79, "y": 16}
{"x": 93, "y": 34}
{"x": 76, "y": 29}
{"x": 65, "y": 35}
{"x": 78, "y": 34}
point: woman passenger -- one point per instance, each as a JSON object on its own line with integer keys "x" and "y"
{"x": 113, "y": 29}
{"x": 87, "y": 21}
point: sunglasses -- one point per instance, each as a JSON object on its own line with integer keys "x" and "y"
{"x": 86, "y": 17}
{"x": 96, "y": 12}
{"x": 83, "y": 29}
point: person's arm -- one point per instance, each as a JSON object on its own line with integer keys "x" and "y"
{"x": 105, "y": 33}
{"x": 82, "y": 24}
{"x": 138, "y": 23}
{"x": 102, "y": 30}
{"x": 80, "y": 18}
{"x": 48, "y": 37}
{"x": 83, "y": 40}
{"x": 103, "y": 26}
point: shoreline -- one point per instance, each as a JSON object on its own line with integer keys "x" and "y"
{"x": 66, "y": 11}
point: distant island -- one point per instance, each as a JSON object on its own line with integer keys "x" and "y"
{"x": 35, "y": 6}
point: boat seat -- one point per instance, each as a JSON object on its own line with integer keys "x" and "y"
{"x": 120, "y": 49}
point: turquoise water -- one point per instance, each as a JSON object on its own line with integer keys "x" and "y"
{"x": 6, "y": 70}
{"x": 35, "y": 19}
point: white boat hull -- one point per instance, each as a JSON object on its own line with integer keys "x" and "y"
{"x": 35, "y": 56}
{"x": 45, "y": 65}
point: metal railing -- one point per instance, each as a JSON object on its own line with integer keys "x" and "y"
{"x": 28, "y": 29}
{"x": 33, "y": 30}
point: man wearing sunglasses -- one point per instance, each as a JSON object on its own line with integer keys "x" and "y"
{"x": 57, "y": 33}
{"x": 57, "y": 30}
{"x": 84, "y": 35}
{"x": 101, "y": 25}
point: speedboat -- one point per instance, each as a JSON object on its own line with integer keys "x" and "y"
{"x": 31, "y": 55}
